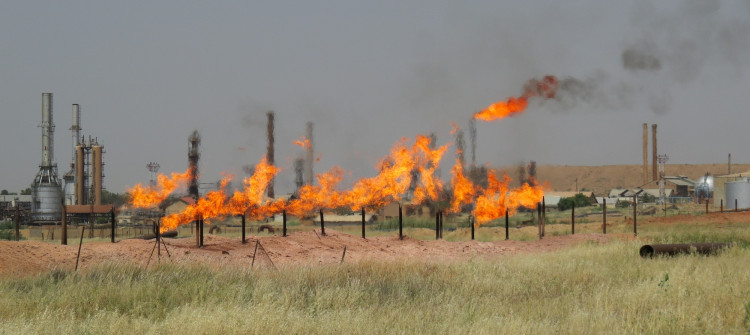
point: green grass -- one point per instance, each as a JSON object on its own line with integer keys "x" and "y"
{"x": 589, "y": 289}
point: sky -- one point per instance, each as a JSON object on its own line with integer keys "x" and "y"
{"x": 368, "y": 73}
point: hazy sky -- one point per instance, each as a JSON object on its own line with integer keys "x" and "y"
{"x": 147, "y": 73}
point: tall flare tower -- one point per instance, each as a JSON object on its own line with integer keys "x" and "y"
{"x": 46, "y": 192}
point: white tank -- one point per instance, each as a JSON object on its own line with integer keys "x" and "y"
{"x": 739, "y": 190}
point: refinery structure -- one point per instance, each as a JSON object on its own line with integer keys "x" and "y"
{"x": 81, "y": 185}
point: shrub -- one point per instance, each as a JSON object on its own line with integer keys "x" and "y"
{"x": 579, "y": 200}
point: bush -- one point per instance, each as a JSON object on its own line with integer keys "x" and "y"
{"x": 623, "y": 204}
{"x": 7, "y": 231}
{"x": 579, "y": 200}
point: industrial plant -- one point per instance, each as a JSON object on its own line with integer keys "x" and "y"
{"x": 83, "y": 183}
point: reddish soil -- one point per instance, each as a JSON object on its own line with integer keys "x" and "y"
{"x": 299, "y": 249}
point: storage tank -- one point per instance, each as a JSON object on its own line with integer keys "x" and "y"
{"x": 739, "y": 190}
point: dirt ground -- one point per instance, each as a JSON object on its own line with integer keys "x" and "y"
{"x": 299, "y": 249}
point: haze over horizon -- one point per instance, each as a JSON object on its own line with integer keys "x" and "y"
{"x": 367, "y": 74}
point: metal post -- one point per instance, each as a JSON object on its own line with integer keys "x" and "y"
{"x": 201, "y": 230}
{"x": 83, "y": 228}
{"x": 113, "y": 225}
{"x": 158, "y": 241}
{"x": 322, "y": 224}
{"x": 573, "y": 219}
{"x": 721, "y": 207}
{"x": 507, "y": 237}
{"x": 283, "y": 223}
{"x": 471, "y": 222}
{"x": 735, "y": 205}
{"x": 604, "y": 217}
{"x": 437, "y": 225}
{"x": 539, "y": 218}
{"x": 363, "y": 222}
{"x": 243, "y": 229}
{"x": 635, "y": 215}
{"x": 706, "y": 205}
{"x": 400, "y": 223}
{"x": 197, "y": 233}
{"x": 64, "y": 235}
{"x": 441, "y": 224}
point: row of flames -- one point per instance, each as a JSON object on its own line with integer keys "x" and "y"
{"x": 394, "y": 179}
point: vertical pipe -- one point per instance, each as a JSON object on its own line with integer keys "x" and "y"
{"x": 507, "y": 236}
{"x": 400, "y": 223}
{"x": 437, "y": 225}
{"x": 270, "y": 151}
{"x": 604, "y": 217}
{"x": 80, "y": 183}
{"x": 322, "y": 224}
{"x": 635, "y": 215}
{"x": 158, "y": 241}
{"x": 471, "y": 222}
{"x": 721, "y": 207}
{"x": 573, "y": 219}
{"x": 706, "y": 205}
{"x": 363, "y": 222}
{"x": 96, "y": 178}
{"x": 201, "y": 230}
{"x": 80, "y": 242}
{"x": 243, "y": 228}
{"x": 735, "y": 205}
{"x": 64, "y": 235}
{"x": 283, "y": 223}
{"x": 539, "y": 218}
{"x": 113, "y": 225}
{"x": 441, "y": 225}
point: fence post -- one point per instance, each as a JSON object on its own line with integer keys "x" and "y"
{"x": 604, "y": 217}
{"x": 437, "y": 225}
{"x": 400, "y": 223}
{"x": 363, "y": 222}
{"x": 706, "y": 205}
{"x": 539, "y": 218}
{"x": 283, "y": 223}
{"x": 64, "y": 233}
{"x": 322, "y": 224}
{"x": 243, "y": 228}
{"x": 721, "y": 207}
{"x": 471, "y": 222}
{"x": 113, "y": 224}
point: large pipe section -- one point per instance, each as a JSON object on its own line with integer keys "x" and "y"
{"x": 96, "y": 178}
{"x": 46, "y": 189}
{"x": 80, "y": 195}
{"x": 48, "y": 130}
{"x": 651, "y": 250}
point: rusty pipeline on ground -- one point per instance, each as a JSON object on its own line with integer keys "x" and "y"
{"x": 651, "y": 250}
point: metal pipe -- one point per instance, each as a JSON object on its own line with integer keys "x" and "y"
{"x": 201, "y": 229}
{"x": 721, "y": 207}
{"x": 283, "y": 223}
{"x": 243, "y": 229}
{"x": 342, "y": 256}
{"x": 650, "y": 250}
{"x": 437, "y": 225}
{"x": 322, "y": 224}
{"x": 735, "y": 205}
{"x": 18, "y": 224}
{"x": 83, "y": 228}
{"x": 400, "y": 223}
{"x": 363, "y": 222}
{"x": 706, "y": 205}
{"x": 471, "y": 222}
{"x": 441, "y": 224}
{"x": 507, "y": 237}
{"x": 544, "y": 217}
{"x": 539, "y": 218}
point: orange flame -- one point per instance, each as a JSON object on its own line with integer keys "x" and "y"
{"x": 497, "y": 198}
{"x": 303, "y": 142}
{"x": 546, "y": 88}
{"x": 463, "y": 189}
{"x": 144, "y": 197}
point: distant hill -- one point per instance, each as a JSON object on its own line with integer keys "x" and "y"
{"x": 600, "y": 179}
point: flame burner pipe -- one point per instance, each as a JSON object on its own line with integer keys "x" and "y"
{"x": 243, "y": 229}
{"x": 651, "y": 250}
{"x": 400, "y": 223}
{"x": 471, "y": 222}
{"x": 322, "y": 224}
{"x": 283, "y": 223}
{"x": 437, "y": 225}
{"x": 507, "y": 237}
{"x": 363, "y": 222}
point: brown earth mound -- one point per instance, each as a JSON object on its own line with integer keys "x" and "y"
{"x": 299, "y": 249}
